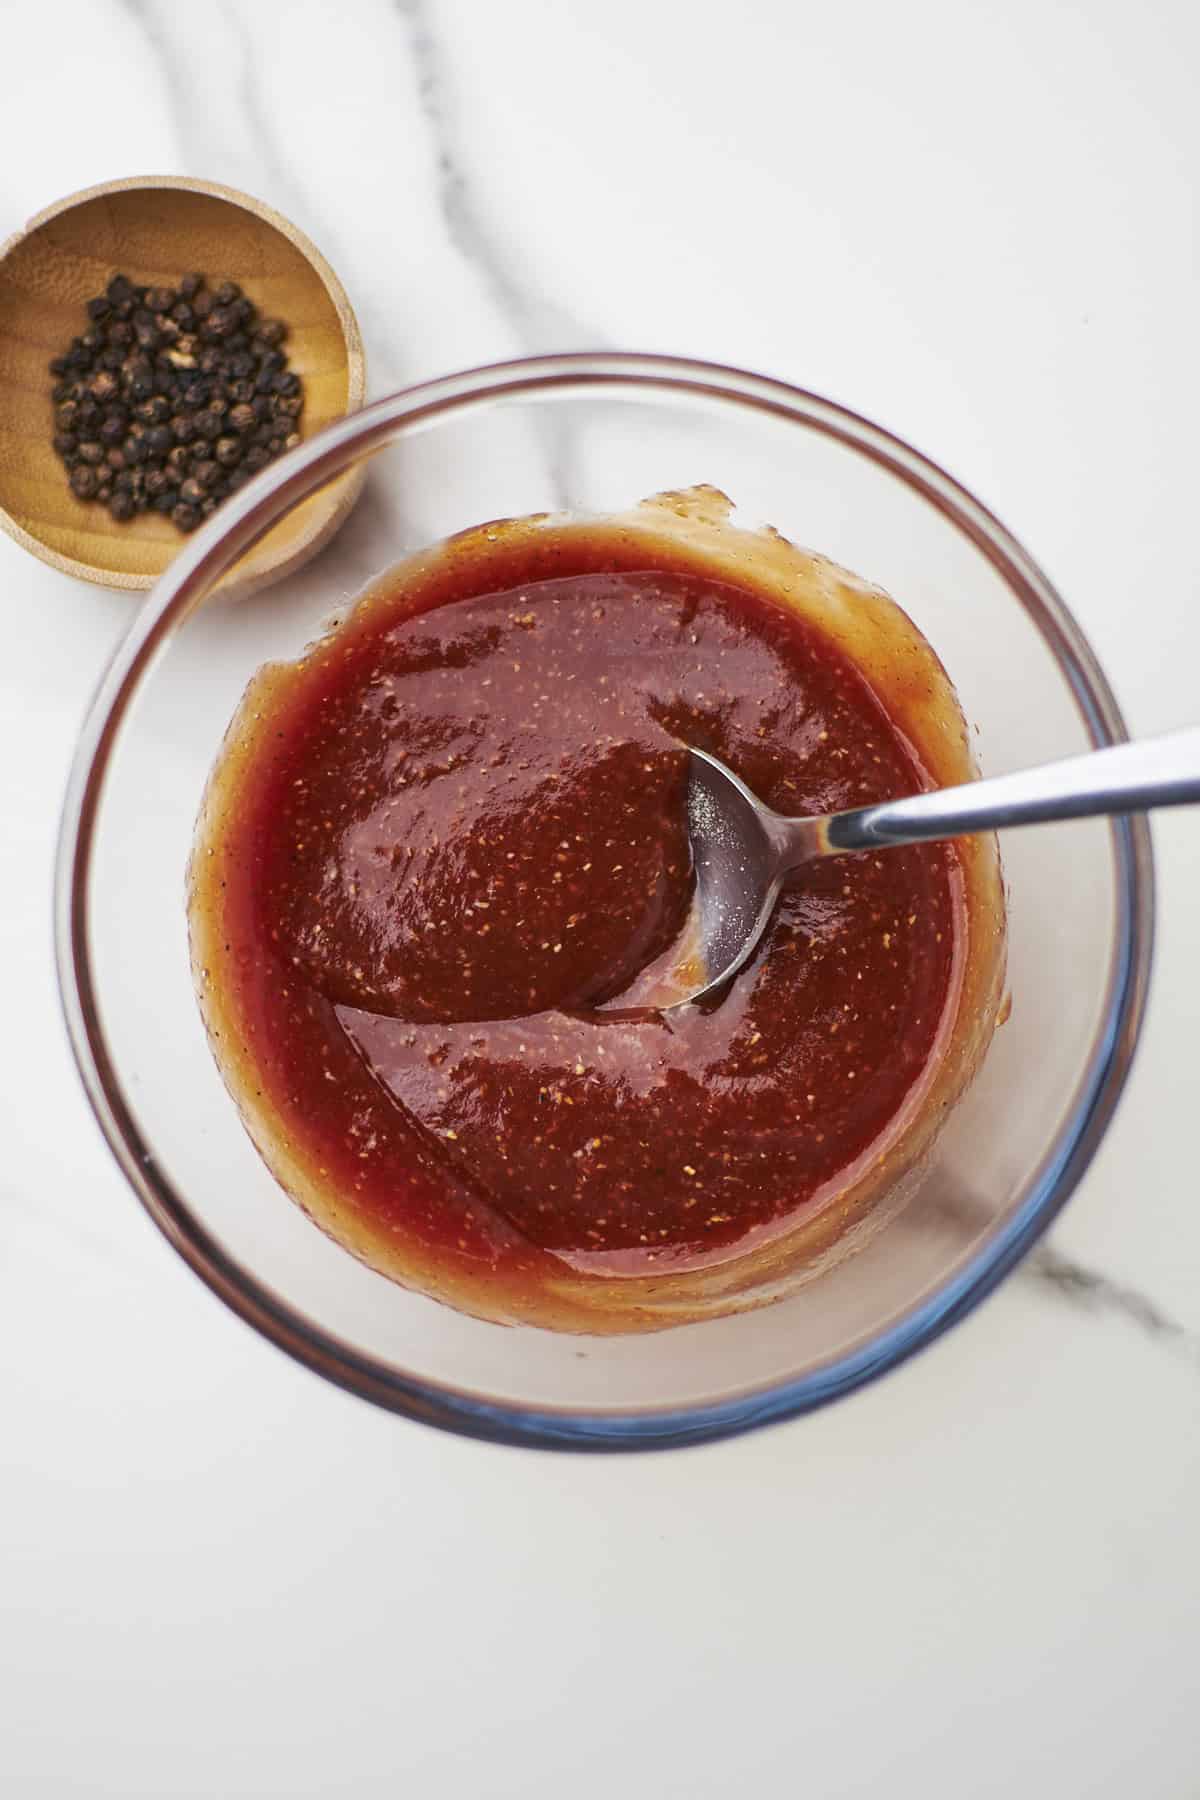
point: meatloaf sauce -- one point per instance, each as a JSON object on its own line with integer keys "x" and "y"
{"x": 440, "y": 848}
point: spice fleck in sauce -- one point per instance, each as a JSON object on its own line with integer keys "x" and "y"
{"x": 442, "y": 840}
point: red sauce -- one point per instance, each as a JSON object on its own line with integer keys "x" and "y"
{"x": 461, "y": 831}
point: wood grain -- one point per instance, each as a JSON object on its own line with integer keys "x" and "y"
{"x": 155, "y": 229}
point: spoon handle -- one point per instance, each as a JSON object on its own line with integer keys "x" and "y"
{"x": 1162, "y": 771}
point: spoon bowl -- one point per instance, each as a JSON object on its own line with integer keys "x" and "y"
{"x": 736, "y": 862}
{"x": 742, "y": 851}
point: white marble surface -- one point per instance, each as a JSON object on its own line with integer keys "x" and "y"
{"x": 219, "y": 1577}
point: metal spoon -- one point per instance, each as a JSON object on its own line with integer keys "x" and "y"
{"x": 741, "y": 850}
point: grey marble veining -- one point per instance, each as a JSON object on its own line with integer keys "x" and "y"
{"x": 182, "y": 105}
{"x": 226, "y": 127}
{"x": 539, "y": 323}
{"x": 1091, "y": 1291}
{"x": 228, "y": 123}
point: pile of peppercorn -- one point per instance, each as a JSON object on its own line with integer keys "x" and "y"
{"x": 172, "y": 398}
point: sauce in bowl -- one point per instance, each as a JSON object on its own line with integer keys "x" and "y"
{"x": 439, "y": 851}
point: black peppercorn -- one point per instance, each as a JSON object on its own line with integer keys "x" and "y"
{"x": 219, "y": 323}
{"x": 172, "y": 397}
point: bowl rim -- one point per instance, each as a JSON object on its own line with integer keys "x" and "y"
{"x": 182, "y": 587}
{"x": 356, "y": 372}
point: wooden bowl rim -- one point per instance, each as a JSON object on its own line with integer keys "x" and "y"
{"x": 356, "y": 372}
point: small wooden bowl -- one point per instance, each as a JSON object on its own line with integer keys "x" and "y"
{"x": 154, "y": 229}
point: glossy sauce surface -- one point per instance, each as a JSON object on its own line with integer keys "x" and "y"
{"x": 464, "y": 830}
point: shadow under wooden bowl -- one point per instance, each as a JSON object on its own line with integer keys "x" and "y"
{"x": 156, "y": 229}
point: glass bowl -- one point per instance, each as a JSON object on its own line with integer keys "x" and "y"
{"x": 595, "y": 434}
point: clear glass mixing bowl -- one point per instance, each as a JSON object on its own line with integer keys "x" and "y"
{"x": 594, "y": 434}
